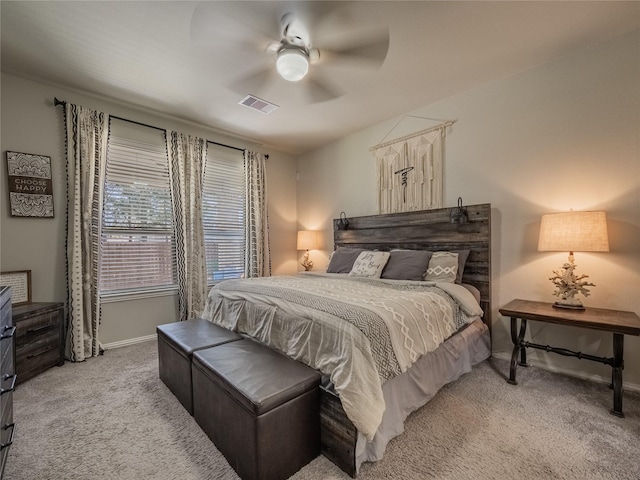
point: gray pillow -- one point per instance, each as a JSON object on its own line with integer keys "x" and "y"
{"x": 342, "y": 260}
{"x": 406, "y": 265}
{"x": 462, "y": 259}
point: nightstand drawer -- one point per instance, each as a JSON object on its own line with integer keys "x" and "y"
{"x": 39, "y": 338}
{"x": 32, "y": 328}
{"x": 37, "y": 356}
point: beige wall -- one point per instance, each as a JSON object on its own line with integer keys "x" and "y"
{"x": 31, "y": 124}
{"x": 563, "y": 135}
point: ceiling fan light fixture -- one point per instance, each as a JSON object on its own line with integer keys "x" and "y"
{"x": 292, "y": 64}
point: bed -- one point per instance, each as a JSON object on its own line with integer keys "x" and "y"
{"x": 349, "y": 326}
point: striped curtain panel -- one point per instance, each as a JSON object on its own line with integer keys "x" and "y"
{"x": 186, "y": 173}
{"x": 257, "y": 261}
{"x": 87, "y": 133}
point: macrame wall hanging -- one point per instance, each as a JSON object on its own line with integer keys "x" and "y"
{"x": 410, "y": 171}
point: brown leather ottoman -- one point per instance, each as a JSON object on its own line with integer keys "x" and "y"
{"x": 260, "y": 408}
{"x": 176, "y": 344}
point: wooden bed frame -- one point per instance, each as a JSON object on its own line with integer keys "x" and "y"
{"x": 421, "y": 230}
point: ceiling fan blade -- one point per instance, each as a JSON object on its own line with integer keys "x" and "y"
{"x": 214, "y": 24}
{"x": 317, "y": 90}
{"x": 368, "y": 51}
{"x": 255, "y": 82}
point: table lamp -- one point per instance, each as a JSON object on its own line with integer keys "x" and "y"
{"x": 307, "y": 240}
{"x": 573, "y": 232}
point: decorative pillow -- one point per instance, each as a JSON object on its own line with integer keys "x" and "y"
{"x": 462, "y": 260}
{"x": 443, "y": 267}
{"x": 407, "y": 265}
{"x": 342, "y": 260}
{"x": 369, "y": 264}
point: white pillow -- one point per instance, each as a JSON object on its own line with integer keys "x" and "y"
{"x": 369, "y": 264}
{"x": 443, "y": 267}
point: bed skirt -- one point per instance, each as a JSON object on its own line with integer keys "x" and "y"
{"x": 413, "y": 389}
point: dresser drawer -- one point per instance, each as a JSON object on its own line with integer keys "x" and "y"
{"x": 7, "y": 336}
{"x": 7, "y": 375}
{"x": 6, "y": 420}
{"x": 7, "y": 385}
{"x": 5, "y": 314}
{"x": 7, "y": 364}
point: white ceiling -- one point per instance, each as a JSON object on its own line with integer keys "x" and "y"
{"x": 144, "y": 53}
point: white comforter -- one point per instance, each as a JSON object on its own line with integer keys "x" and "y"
{"x": 300, "y": 316}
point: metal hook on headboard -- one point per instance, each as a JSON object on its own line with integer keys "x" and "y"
{"x": 343, "y": 223}
{"x": 459, "y": 214}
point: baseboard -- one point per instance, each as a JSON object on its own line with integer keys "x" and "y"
{"x": 129, "y": 341}
{"x": 572, "y": 373}
{"x": 500, "y": 355}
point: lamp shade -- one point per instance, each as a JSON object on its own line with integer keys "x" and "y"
{"x": 292, "y": 64}
{"x": 307, "y": 240}
{"x": 574, "y": 232}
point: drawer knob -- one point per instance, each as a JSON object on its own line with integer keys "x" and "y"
{"x": 13, "y": 383}
{"x": 8, "y": 335}
{"x": 8, "y": 426}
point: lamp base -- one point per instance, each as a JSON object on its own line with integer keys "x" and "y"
{"x": 568, "y": 285}
{"x": 306, "y": 262}
{"x": 568, "y": 306}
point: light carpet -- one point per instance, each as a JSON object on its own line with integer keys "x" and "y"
{"x": 112, "y": 418}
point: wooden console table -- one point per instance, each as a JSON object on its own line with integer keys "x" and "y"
{"x": 615, "y": 321}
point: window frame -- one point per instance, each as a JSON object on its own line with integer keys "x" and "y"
{"x": 217, "y": 159}
{"x": 137, "y": 143}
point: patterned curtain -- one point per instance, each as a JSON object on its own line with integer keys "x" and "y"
{"x": 87, "y": 133}
{"x": 257, "y": 261}
{"x": 410, "y": 172}
{"x": 186, "y": 172}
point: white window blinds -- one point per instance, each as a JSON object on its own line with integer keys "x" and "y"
{"x": 223, "y": 213}
{"x": 137, "y": 239}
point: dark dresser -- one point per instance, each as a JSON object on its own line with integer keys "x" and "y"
{"x": 8, "y": 375}
{"x": 39, "y": 338}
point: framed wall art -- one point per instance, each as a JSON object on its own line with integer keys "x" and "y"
{"x": 20, "y": 283}
{"x": 30, "y": 185}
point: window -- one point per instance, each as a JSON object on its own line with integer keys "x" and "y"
{"x": 137, "y": 239}
{"x": 223, "y": 213}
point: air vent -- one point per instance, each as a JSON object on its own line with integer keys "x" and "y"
{"x": 258, "y": 104}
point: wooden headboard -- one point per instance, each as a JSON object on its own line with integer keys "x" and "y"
{"x": 429, "y": 230}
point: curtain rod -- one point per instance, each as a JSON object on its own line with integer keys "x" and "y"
{"x": 57, "y": 102}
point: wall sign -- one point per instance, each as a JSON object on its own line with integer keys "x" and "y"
{"x": 30, "y": 185}
{"x": 20, "y": 283}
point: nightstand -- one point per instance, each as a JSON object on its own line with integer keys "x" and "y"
{"x": 617, "y": 322}
{"x": 39, "y": 338}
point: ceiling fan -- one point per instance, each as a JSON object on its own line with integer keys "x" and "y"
{"x": 294, "y": 52}
{"x": 313, "y": 46}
